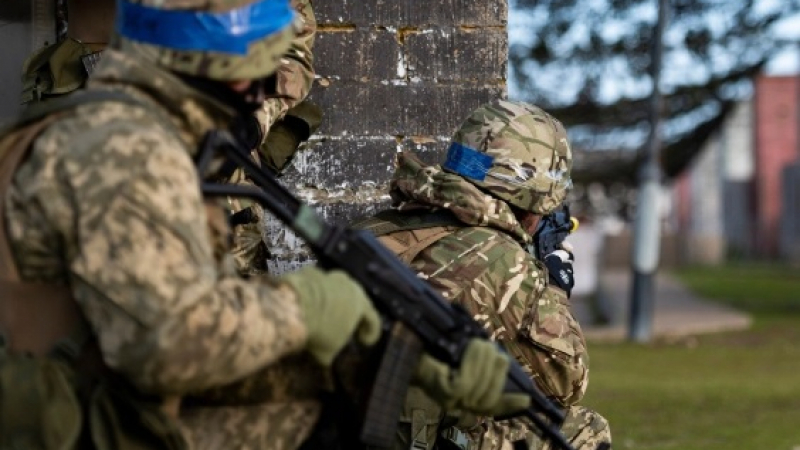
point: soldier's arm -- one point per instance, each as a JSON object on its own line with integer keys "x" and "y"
{"x": 534, "y": 323}
{"x": 553, "y": 346}
{"x": 166, "y": 311}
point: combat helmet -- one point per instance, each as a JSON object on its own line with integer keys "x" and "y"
{"x": 516, "y": 152}
{"x": 218, "y": 39}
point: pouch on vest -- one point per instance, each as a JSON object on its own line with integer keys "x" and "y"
{"x": 55, "y": 392}
{"x": 419, "y": 422}
{"x": 57, "y": 69}
{"x": 39, "y": 409}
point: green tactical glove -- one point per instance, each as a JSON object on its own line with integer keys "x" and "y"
{"x": 476, "y": 386}
{"x": 334, "y": 308}
{"x": 286, "y": 135}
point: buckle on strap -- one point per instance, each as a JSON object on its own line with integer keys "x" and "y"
{"x": 456, "y": 437}
{"x": 419, "y": 430}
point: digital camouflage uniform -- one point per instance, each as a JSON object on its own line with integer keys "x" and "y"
{"x": 64, "y": 67}
{"x": 481, "y": 264}
{"x": 173, "y": 316}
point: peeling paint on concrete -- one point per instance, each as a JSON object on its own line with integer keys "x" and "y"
{"x": 391, "y": 76}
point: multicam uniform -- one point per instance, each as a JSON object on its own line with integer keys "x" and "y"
{"x": 478, "y": 260}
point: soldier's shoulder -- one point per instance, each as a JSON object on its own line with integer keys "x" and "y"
{"x": 483, "y": 250}
{"x": 103, "y": 132}
{"x": 493, "y": 243}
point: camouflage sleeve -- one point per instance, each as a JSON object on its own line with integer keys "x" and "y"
{"x": 296, "y": 75}
{"x": 553, "y": 346}
{"x": 534, "y": 323}
{"x": 167, "y": 311}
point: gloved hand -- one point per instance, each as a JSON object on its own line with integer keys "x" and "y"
{"x": 334, "y": 308}
{"x": 560, "y": 271}
{"x": 280, "y": 146}
{"x": 286, "y": 135}
{"x": 476, "y": 386}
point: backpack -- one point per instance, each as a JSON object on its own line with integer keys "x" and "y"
{"x": 423, "y": 424}
{"x": 55, "y": 391}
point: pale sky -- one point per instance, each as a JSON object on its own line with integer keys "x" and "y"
{"x": 784, "y": 63}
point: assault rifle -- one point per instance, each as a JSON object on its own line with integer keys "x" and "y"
{"x": 551, "y": 232}
{"x": 420, "y": 318}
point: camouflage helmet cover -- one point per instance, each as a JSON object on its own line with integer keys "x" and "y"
{"x": 516, "y": 152}
{"x": 218, "y": 39}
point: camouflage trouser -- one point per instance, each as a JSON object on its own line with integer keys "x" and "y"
{"x": 583, "y": 428}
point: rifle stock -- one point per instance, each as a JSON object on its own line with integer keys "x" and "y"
{"x": 443, "y": 330}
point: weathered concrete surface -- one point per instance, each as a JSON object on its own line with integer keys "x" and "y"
{"x": 392, "y": 75}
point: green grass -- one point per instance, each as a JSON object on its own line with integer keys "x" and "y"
{"x": 731, "y": 391}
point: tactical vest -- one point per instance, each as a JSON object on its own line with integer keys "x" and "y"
{"x": 423, "y": 424}
{"x": 55, "y": 391}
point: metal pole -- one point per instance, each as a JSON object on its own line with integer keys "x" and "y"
{"x": 646, "y": 232}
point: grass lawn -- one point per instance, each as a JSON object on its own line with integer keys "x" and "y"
{"x": 727, "y": 391}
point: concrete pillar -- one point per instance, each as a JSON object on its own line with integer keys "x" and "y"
{"x": 391, "y": 75}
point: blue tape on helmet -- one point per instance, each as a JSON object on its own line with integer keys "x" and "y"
{"x": 467, "y": 162}
{"x": 225, "y": 32}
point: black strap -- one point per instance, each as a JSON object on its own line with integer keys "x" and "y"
{"x": 243, "y": 217}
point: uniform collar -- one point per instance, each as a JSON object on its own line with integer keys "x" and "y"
{"x": 416, "y": 185}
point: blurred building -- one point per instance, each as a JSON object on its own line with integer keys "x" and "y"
{"x": 740, "y": 198}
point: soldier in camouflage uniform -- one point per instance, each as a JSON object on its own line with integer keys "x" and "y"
{"x": 277, "y": 129}
{"x": 103, "y": 212}
{"x": 464, "y": 227}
